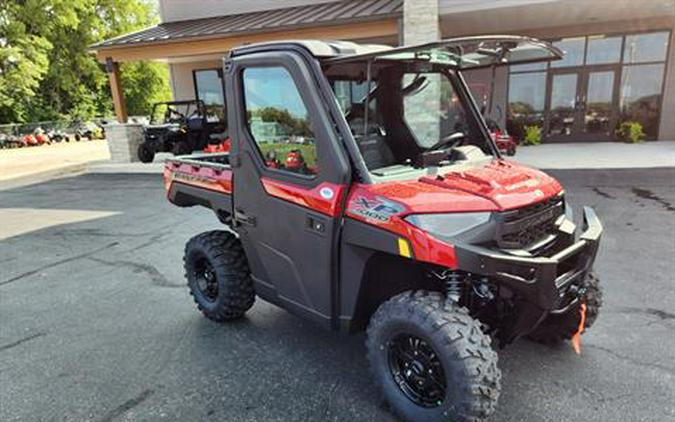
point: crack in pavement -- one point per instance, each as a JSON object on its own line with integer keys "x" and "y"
{"x": 155, "y": 276}
{"x": 126, "y": 406}
{"x": 602, "y": 193}
{"x": 661, "y": 315}
{"x": 57, "y": 263}
{"x": 21, "y": 341}
{"x": 647, "y": 194}
{"x": 632, "y": 360}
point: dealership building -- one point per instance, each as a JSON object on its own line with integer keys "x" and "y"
{"x": 618, "y": 67}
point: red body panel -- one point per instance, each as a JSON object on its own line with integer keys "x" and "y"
{"x": 496, "y": 186}
{"x": 325, "y": 198}
{"x": 203, "y": 177}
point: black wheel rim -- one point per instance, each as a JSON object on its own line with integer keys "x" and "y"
{"x": 207, "y": 283}
{"x": 416, "y": 369}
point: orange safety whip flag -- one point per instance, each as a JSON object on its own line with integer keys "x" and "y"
{"x": 576, "y": 338}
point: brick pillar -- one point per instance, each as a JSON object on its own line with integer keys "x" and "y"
{"x": 420, "y": 21}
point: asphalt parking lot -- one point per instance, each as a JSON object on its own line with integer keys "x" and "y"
{"x": 96, "y": 323}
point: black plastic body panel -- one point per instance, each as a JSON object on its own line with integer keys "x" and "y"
{"x": 540, "y": 281}
{"x": 184, "y": 195}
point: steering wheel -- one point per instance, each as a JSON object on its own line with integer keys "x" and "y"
{"x": 448, "y": 142}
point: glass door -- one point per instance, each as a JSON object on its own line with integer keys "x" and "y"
{"x": 563, "y": 117}
{"x": 598, "y": 104}
{"x": 582, "y": 104}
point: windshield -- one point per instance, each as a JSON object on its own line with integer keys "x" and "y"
{"x": 172, "y": 113}
{"x": 409, "y": 118}
{"x": 434, "y": 111}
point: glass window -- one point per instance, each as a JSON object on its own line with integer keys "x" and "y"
{"x": 433, "y": 111}
{"x": 603, "y": 50}
{"x": 574, "y": 52}
{"x": 351, "y": 93}
{"x": 528, "y": 67}
{"x": 278, "y": 120}
{"x": 642, "y": 48}
{"x": 209, "y": 87}
{"x": 641, "y": 96}
{"x": 527, "y": 93}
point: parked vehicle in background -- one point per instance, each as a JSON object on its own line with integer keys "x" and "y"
{"x": 179, "y": 127}
{"x": 395, "y": 214}
{"x": 29, "y": 140}
{"x": 41, "y": 137}
{"x": 89, "y": 130}
{"x": 504, "y": 141}
{"x": 57, "y": 135}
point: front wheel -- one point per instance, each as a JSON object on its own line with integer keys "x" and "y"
{"x": 145, "y": 153}
{"x": 431, "y": 359}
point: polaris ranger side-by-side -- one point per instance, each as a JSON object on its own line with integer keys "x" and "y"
{"x": 363, "y": 191}
{"x": 179, "y": 127}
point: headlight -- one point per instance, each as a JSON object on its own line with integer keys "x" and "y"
{"x": 448, "y": 225}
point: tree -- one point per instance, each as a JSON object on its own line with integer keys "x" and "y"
{"x": 23, "y": 62}
{"x": 144, "y": 84}
{"x": 46, "y": 70}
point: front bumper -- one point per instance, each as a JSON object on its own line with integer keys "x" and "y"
{"x": 540, "y": 283}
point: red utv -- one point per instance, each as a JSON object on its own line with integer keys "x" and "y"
{"x": 371, "y": 195}
{"x": 504, "y": 141}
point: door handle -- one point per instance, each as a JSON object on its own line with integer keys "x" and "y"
{"x": 240, "y": 218}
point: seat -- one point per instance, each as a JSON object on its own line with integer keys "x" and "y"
{"x": 373, "y": 147}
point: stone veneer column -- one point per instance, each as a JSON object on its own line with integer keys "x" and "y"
{"x": 123, "y": 140}
{"x": 421, "y": 25}
{"x": 420, "y": 21}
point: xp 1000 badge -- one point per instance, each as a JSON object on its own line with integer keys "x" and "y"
{"x": 376, "y": 208}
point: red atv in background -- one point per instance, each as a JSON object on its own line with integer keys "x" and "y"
{"x": 37, "y": 138}
{"x": 504, "y": 141}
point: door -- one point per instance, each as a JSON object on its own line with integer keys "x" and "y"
{"x": 563, "y": 104}
{"x": 289, "y": 180}
{"x": 582, "y": 104}
{"x": 599, "y": 105}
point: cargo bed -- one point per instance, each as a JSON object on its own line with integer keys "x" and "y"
{"x": 200, "y": 179}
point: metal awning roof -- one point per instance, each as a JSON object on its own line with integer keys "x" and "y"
{"x": 335, "y": 13}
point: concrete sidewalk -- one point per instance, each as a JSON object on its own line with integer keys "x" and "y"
{"x": 587, "y": 155}
{"x": 600, "y": 155}
{"x": 29, "y": 165}
{"x": 34, "y": 165}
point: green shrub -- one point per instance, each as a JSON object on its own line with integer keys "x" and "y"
{"x": 631, "y": 132}
{"x": 532, "y": 135}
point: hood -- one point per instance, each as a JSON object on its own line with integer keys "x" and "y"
{"x": 498, "y": 185}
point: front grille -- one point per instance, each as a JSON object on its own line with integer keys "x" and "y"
{"x": 524, "y": 228}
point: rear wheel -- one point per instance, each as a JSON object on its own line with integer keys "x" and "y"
{"x": 145, "y": 153}
{"x": 557, "y": 328}
{"x": 218, "y": 275}
{"x": 431, "y": 360}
